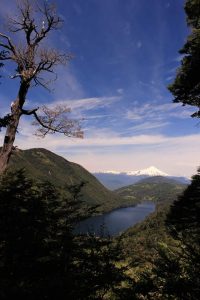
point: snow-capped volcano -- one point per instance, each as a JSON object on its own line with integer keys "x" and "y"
{"x": 151, "y": 171}
{"x": 117, "y": 179}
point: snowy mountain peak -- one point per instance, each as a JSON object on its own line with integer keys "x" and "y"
{"x": 151, "y": 171}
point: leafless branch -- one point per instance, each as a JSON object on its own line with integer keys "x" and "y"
{"x": 56, "y": 120}
{"x": 8, "y": 43}
{"x": 32, "y": 59}
{"x": 29, "y": 112}
{"x": 35, "y": 29}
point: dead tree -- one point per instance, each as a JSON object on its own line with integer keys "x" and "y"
{"x": 32, "y": 61}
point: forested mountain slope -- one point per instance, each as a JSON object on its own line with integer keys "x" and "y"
{"x": 41, "y": 164}
{"x": 157, "y": 189}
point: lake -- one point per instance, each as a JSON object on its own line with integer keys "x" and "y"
{"x": 116, "y": 221}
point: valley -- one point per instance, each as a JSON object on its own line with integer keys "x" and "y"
{"x": 127, "y": 231}
{"x": 44, "y": 165}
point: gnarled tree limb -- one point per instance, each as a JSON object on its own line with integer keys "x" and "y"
{"x": 32, "y": 61}
{"x": 55, "y": 120}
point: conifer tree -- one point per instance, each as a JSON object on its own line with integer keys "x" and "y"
{"x": 40, "y": 257}
{"x": 186, "y": 86}
{"x": 36, "y": 242}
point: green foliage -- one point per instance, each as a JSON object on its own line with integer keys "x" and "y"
{"x": 35, "y": 238}
{"x": 98, "y": 275}
{"x": 184, "y": 224}
{"x": 139, "y": 243}
{"x": 174, "y": 273}
{"x": 158, "y": 189}
{"x": 183, "y": 218}
{"x": 186, "y": 86}
{"x": 167, "y": 279}
{"x": 40, "y": 258}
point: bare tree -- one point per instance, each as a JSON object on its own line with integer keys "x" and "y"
{"x": 33, "y": 60}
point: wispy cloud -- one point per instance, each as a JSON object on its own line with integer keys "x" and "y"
{"x": 155, "y": 111}
{"x": 67, "y": 84}
{"x": 102, "y": 137}
{"x": 87, "y": 104}
{"x": 147, "y": 126}
{"x": 105, "y": 149}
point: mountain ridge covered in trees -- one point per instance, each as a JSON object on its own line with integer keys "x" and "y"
{"x": 47, "y": 166}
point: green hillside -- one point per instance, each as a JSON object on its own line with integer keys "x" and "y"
{"x": 139, "y": 242}
{"x": 158, "y": 189}
{"x": 43, "y": 165}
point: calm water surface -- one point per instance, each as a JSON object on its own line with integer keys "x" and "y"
{"x": 116, "y": 221}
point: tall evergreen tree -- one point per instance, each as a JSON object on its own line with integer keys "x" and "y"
{"x": 186, "y": 86}
{"x": 184, "y": 224}
{"x": 175, "y": 274}
{"x": 35, "y": 239}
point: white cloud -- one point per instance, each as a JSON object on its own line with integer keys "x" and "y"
{"x": 154, "y": 111}
{"x": 86, "y": 104}
{"x": 147, "y": 126}
{"x": 172, "y": 161}
{"x": 67, "y": 84}
{"x": 104, "y": 149}
{"x": 176, "y": 156}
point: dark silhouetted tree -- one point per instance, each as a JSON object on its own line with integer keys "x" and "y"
{"x": 97, "y": 274}
{"x": 186, "y": 86}
{"x": 40, "y": 257}
{"x": 36, "y": 241}
{"x": 184, "y": 224}
{"x": 175, "y": 274}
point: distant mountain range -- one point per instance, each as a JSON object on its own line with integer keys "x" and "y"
{"x": 114, "y": 180}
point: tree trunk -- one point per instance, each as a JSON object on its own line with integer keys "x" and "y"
{"x": 16, "y": 112}
{"x": 9, "y": 139}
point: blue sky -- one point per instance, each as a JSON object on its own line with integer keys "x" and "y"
{"x": 125, "y": 55}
